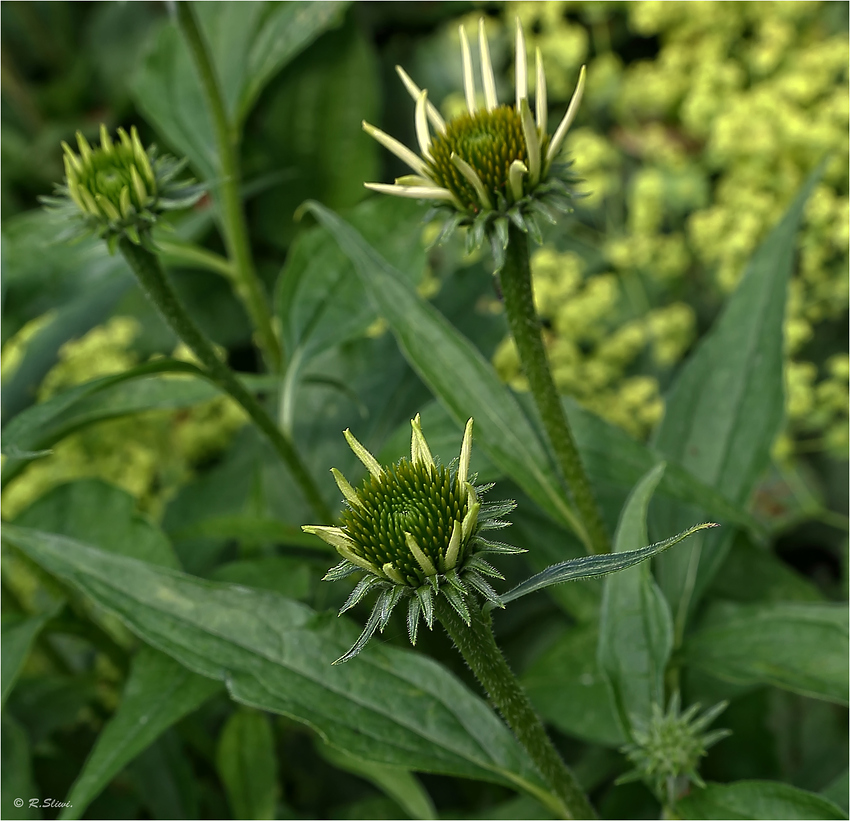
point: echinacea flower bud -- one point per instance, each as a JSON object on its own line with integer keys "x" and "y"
{"x": 119, "y": 189}
{"x": 491, "y": 165}
{"x": 666, "y": 750}
{"x": 415, "y": 529}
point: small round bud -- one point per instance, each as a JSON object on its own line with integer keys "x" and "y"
{"x": 119, "y": 189}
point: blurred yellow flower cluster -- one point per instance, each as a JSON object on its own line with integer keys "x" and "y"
{"x": 148, "y": 454}
{"x": 690, "y": 156}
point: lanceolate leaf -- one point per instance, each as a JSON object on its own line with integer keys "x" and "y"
{"x": 635, "y": 625}
{"x": 457, "y": 373}
{"x": 586, "y": 567}
{"x": 726, "y": 407}
{"x": 158, "y": 693}
{"x": 393, "y": 707}
{"x": 798, "y": 646}
{"x": 18, "y": 634}
{"x": 756, "y": 800}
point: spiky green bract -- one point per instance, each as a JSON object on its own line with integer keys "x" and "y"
{"x": 415, "y": 529}
{"x": 492, "y": 166}
{"x": 119, "y": 189}
{"x": 666, "y": 749}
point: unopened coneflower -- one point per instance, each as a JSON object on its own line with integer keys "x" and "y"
{"x": 494, "y": 165}
{"x": 415, "y": 530}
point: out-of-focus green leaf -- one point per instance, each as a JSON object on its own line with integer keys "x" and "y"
{"x": 100, "y": 514}
{"x": 400, "y": 785}
{"x": 158, "y": 693}
{"x": 16, "y": 781}
{"x": 567, "y": 687}
{"x": 164, "y": 780}
{"x": 18, "y": 634}
{"x": 247, "y": 764}
{"x": 457, "y": 373}
{"x": 756, "y": 800}
{"x": 726, "y": 407}
{"x": 796, "y": 646}
{"x": 249, "y": 44}
{"x": 837, "y": 791}
{"x": 635, "y": 624}
{"x": 393, "y": 707}
{"x": 289, "y": 577}
{"x": 587, "y": 567}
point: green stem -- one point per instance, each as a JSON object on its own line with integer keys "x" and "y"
{"x": 515, "y": 278}
{"x": 246, "y": 283}
{"x": 478, "y": 647}
{"x": 148, "y": 271}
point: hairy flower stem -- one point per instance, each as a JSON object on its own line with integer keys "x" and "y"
{"x": 158, "y": 289}
{"x": 515, "y": 277}
{"x": 247, "y": 285}
{"x": 478, "y": 647}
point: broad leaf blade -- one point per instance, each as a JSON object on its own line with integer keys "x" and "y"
{"x": 586, "y": 567}
{"x": 800, "y": 647}
{"x": 726, "y": 406}
{"x": 756, "y": 800}
{"x": 18, "y": 634}
{"x": 158, "y": 693}
{"x": 635, "y": 624}
{"x": 392, "y": 706}
{"x": 456, "y": 372}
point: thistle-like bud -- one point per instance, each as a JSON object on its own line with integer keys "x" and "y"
{"x": 119, "y": 189}
{"x": 415, "y": 529}
{"x": 666, "y": 750}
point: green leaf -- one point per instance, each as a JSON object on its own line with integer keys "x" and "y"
{"x": 586, "y": 567}
{"x": 248, "y": 43}
{"x": 158, "y": 693}
{"x": 100, "y": 514}
{"x": 16, "y": 779}
{"x": 837, "y": 791}
{"x": 400, "y": 785}
{"x": 726, "y": 407}
{"x": 456, "y": 372}
{"x": 164, "y": 780}
{"x": 247, "y": 764}
{"x": 796, "y": 646}
{"x": 568, "y": 689}
{"x": 393, "y": 707}
{"x": 635, "y": 624}
{"x": 18, "y": 634}
{"x": 289, "y": 577}
{"x": 756, "y": 800}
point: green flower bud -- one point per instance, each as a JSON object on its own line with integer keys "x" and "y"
{"x": 415, "y": 529}
{"x": 666, "y": 750}
{"x": 487, "y": 167}
{"x": 119, "y": 189}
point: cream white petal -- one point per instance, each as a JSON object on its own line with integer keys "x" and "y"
{"x": 532, "y": 142}
{"x": 572, "y": 110}
{"x": 540, "y": 101}
{"x": 415, "y": 192}
{"x": 415, "y": 179}
{"x": 465, "y": 454}
{"x": 401, "y": 151}
{"x": 521, "y": 65}
{"x": 421, "y": 559}
{"x": 468, "y": 78}
{"x": 419, "y": 450}
{"x": 369, "y": 461}
{"x": 414, "y": 91}
{"x": 515, "y": 174}
{"x": 453, "y": 549}
{"x": 469, "y": 521}
{"x": 346, "y": 489}
{"x": 334, "y": 536}
{"x": 487, "y": 75}
{"x": 473, "y": 179}
{"x": 423, "y": 137}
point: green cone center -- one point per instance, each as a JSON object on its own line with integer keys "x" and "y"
{"x": 408, "y": 498}
{"x": 489, "y": 141}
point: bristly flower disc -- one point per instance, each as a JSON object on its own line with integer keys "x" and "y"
{"x": 490, "y": 166}
{"x": 119, "y": 189}
{"x": 415, "y": 528}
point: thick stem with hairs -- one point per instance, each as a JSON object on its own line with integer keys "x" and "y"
{"x": 515, "y": 278}
{"x": 477, "y": 644}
